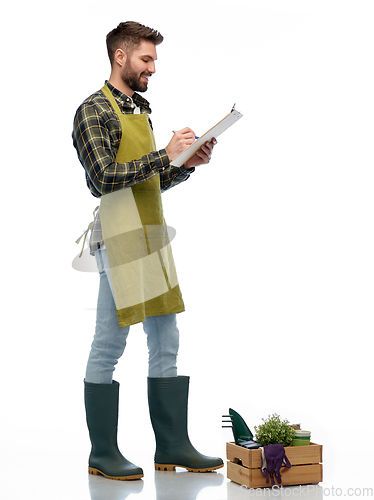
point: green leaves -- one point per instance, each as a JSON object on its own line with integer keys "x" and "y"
{"x": 274, "y": 431}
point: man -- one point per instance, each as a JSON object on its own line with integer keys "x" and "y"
{"x": 138, "y": 283}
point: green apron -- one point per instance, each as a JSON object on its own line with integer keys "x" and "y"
{"x": 135, "y": 234}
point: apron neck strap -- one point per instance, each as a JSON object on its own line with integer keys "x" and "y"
{"x": 111, "y": 99}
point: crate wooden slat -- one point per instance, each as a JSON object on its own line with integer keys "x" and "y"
{"x": 244, "y": 466}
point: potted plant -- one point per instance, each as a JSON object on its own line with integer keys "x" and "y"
{"x": 274, "y": 431}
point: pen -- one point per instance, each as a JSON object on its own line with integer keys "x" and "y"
{"x": 195, "y": 135}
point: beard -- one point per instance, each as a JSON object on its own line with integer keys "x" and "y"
{"x": 132, "y": 79}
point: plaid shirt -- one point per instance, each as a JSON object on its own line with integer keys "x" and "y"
{"x": 96, "y": 137}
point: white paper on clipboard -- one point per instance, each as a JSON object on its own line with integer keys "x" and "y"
{"x": 215, "y": 131}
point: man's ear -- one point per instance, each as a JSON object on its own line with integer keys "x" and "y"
{"x": 120, "y": 57}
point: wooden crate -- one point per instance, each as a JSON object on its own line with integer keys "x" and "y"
{"x": 244, "y": 466}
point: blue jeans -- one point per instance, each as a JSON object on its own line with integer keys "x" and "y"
{"x": 110, "y": 339}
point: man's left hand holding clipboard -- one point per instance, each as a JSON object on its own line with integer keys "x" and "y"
{"x": 182, "y": 140}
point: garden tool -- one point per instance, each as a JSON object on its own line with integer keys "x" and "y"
{"x": 242, "y": 434}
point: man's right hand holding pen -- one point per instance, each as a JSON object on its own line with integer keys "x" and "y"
{"x": 183, "y": 139}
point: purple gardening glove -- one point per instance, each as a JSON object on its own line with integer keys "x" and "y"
{"x": 273, "y": 457}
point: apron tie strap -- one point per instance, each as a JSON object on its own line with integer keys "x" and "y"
{"x": 89, "y": 228}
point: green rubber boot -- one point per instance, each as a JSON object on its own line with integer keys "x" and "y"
{"x": 101, "y": 401}
{"x": 168, "y": 401}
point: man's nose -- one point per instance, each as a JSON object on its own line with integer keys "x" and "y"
{"x": 152, "y": 67}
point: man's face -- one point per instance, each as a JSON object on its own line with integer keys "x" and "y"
{"x": 139, "y": 66}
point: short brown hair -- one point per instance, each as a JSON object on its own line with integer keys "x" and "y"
{"x": 128, "y": 36}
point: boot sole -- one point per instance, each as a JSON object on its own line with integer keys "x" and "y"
{"x": 96, "y": 472}
{"x": 170, "y": 467}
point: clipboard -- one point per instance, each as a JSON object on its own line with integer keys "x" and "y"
{"x": 215, "y": 131}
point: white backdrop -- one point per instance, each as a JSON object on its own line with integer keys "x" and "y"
{"x": 274, "y": 245}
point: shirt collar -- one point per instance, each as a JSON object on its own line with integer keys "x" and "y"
{"x": 125, "y": 102}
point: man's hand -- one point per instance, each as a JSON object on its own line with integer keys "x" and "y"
{"x": 183, "y": 139}
{"x": 180, "y": 141}
{"x": 202, "y": 155}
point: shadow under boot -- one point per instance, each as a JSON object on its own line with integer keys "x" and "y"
{"x": 188, "y": 486}
{"x": 101, "y": 402}
{"x": 168, "y": 402}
